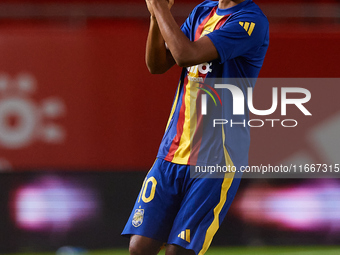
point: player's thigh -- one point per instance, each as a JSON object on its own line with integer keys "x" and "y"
{"x": 173, "y": 249}
{"x": 141, "y": 245}
{"x": 202, "y": 211}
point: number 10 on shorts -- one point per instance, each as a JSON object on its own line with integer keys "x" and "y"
{"x": 147, "y": 182}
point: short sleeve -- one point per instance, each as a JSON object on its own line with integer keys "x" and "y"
{"x": 239, "y": 36}
{"x": 186, "y": 26}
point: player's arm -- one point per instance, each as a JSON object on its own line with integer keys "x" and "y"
{"x": 158, "y": 59}
{"x": 185, "y": 52}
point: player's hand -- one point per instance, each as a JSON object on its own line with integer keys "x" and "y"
{"x": 150, "y": 8}
{"x": 170, "y": 3}
{"x": 148, "y": 4}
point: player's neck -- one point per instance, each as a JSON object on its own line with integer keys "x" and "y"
{"x": 224, "y": 4}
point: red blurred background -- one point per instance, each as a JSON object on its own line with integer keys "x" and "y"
{"x": 83, "y": 97}
{"x": 81, "y": 119}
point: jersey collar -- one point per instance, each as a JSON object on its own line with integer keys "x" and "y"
{"x": 232, "y": 9}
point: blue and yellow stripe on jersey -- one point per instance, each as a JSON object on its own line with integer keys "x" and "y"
{"x": 240, "y": 35}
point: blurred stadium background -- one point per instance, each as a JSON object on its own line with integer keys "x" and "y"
{"x": 81, "y": 120}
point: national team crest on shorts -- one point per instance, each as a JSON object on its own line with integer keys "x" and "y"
{"x": 137, "y": 219}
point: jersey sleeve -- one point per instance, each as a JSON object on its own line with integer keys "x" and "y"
{"x": 239, "y": 36}
{"x": 186, "y": 26}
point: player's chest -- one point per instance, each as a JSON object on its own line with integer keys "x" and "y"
{"x": 208, "y": 24}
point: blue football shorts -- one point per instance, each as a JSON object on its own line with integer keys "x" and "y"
{"x": 176, "y": 209}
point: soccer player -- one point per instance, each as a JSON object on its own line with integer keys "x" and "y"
{"x": 224, "y": 39}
